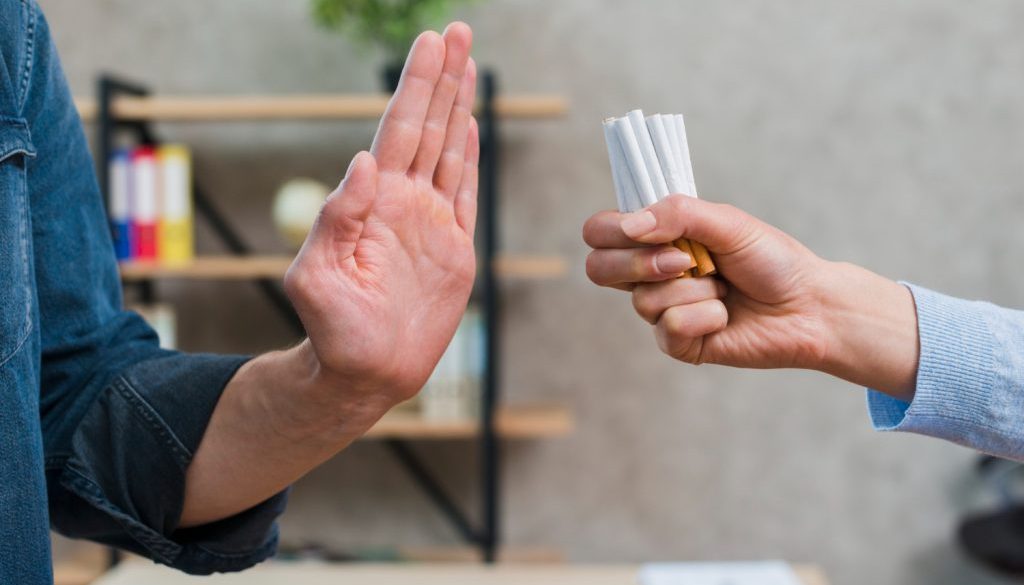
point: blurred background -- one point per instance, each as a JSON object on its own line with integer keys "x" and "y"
{"x": 886, "y": 134}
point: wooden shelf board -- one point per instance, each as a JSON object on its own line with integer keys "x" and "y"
{"x": 86, "y": 564}
{"x": 511, "y": 422}
{"x": 208, "y": 268}
{"x": 521, "y": 266}
{"x": 468, "y": 554}
{"x": 292, "y": 107}
{"x": 252, "y": 267}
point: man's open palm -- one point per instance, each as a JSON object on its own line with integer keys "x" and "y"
{"x": 384, "y": 277}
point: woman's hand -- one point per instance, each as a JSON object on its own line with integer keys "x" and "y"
{"x": 776, "y": 304}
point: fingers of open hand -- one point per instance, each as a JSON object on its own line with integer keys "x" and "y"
{"x": 681, "y": 329}
{"x": 466, "y": 197}
{"x": 401, "y": 128}
{"x": 451, "y": 165}
{"x": 609, "y": 267}
{"x": 440, "y": 114}
{"x": 651, "y": 300}
{"x": 349, "y": 204}
{"x": 335, "y": 233}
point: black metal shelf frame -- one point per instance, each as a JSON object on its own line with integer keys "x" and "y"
{"x": 485, "y": 536}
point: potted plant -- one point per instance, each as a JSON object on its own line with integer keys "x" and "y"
{"x": 390, "y": 24}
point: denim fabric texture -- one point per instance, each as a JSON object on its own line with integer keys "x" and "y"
{"x": 97, "y": 423}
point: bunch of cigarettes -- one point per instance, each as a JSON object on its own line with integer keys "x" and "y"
{"x": 650, "y": 160}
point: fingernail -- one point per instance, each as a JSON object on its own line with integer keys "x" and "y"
{"x": 673, "y": 261}
{"x": 639, "y": 223}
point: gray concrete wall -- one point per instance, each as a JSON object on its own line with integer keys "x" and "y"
{"x": 888, "y": 134}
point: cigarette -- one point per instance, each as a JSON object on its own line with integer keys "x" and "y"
{"x": 666, "y": 154}
{"x": 625, "y": 191}
{"x": 705, "y": 266}
{"x": 650, "y": 155}
{"x": 649, "y": 160}
{"x": 635, "y": 162}
{"x": 684, "y": 155}
{"x": 655, "y": 170}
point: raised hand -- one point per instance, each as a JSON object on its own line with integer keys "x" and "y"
{"x": 380, "y": 285}
{"x": 384, "y": 277}
{"x": 776, "y": 304}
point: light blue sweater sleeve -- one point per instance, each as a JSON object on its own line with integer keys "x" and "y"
{"x": 970, "y": 378}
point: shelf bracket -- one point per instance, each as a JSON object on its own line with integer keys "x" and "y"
{"x": 422, "y": 476}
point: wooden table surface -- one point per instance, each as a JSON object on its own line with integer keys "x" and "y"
{"x": 403, "y": 574}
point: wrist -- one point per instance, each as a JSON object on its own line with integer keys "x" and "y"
{"x": 309, "y": 404}
{"x": 871, "y": 325}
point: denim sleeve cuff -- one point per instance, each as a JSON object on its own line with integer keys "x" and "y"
{"x": 955, "y": 379}
{"x": 128, "y": 462}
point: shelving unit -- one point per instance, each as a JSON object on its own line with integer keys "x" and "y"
{"x": 122, "y": 106}
{"x": 293, "y": 107}
{"x": 251, "y": 267}
{"x": 510, "y": 422}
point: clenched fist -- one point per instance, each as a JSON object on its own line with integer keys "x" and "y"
{"x": 775, "y": 305}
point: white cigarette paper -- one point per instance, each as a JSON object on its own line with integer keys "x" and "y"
{"x": 649, "y": 158}
{"x": 625, "y": 191}
{"x": 685, "y": 155}
{"x": 668, "y": 159}
{"x": 635, "y": 162}
{"x": 646, "y": 144}
{"x": 672, "y": 129}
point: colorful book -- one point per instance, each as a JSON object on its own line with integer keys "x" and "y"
{"x": 453, "y": 390}
{"x": 174, "y": 235}
{"x": 144, "y": 203}
{"x": 119, "y": 203}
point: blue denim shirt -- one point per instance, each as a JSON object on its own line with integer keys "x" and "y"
{"x": 97, "y": 423}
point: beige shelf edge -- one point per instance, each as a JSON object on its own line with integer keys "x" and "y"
{"x": 467, "y": 554}
{"x": 293, "y": 107}
{"x": 511, "y": 422}
{"x": 249, "y": 267}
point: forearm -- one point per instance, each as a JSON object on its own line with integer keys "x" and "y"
{"x": 279, "y": 417}
{"x": 871, "y": 330}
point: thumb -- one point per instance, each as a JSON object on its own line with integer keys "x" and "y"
{"x": 724, "y": 229}
{"x": 343, "y": 214}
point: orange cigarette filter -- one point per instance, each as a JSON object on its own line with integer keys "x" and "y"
{"x": 705, "y": 265}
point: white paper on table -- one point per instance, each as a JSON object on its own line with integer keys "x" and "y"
{"x": 748, "y": 573}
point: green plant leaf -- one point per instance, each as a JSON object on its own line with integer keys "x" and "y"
{"x": 391, "y": 24}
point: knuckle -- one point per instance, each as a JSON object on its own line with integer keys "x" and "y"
{"x": 644, "y": 264}
{"x": 435, "y": 127}
{"x": 590, "y": 231}
{"x": 595, "y": 267}
{"x": 677, "y": 201}
{"x": 671, "y": 344}
{"x": 723, "y": 313}
{"x": 681, "y": 204}
{"x": 729, "y": 209}
{"x": 675, "y": 323}
{"x": 644, "y": 305}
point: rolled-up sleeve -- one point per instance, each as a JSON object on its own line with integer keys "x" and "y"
{"x": 970, "y": 379}
{"x": 128, "y": 461}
